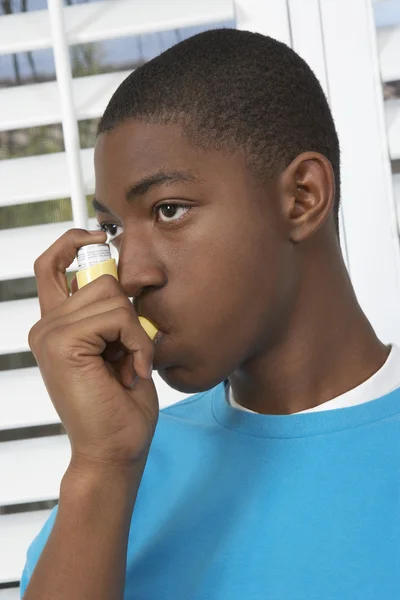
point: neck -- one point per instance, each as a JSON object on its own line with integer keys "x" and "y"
{"x": 326, "y": 348}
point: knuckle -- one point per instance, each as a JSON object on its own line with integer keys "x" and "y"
{"x": 52, "y": 342}
{"x": 109, "y": 280}
{"x": 43, "y": 263}
{"x": 38, "y": 265}
{"x": 68, "y": 239}
{"x": 122, "y": 304}
{"x": 33, "y": 335}
{"x": 106, "y": 286}
{"x": 125, "y": 312}
{"x": 126, "y": 303}
{"x": 45, "y": 341}
{"x": 125, "y": 315}
{"x": 75, "y": 233}
{"x": 109, "y": 285}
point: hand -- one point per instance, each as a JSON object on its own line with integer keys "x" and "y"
{"x": 90, "y": 349}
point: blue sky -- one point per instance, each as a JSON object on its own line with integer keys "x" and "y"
{"x": 387, "y": 12}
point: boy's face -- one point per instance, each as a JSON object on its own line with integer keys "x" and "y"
{"x": 214, "y": 273}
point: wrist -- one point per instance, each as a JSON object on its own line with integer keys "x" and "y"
{"x": 84, "y": 476}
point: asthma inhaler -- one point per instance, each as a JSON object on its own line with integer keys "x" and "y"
{"x": 95, "y": 260}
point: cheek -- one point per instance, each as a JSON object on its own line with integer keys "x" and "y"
{"x": 225, "y": 286}
{"x": 227, "y": 295}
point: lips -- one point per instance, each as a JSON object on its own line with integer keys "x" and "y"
{"x": 158, "y": 337}
{"x": 160, "y": 329}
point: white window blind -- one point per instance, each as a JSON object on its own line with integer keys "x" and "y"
{"x": 355, "y": 65}
{"x": 34, "y": 452}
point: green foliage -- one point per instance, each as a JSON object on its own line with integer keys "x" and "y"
{"x": 39, "y": 213}
{"x": 32, "y": 141}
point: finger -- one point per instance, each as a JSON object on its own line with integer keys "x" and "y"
{"x": 74, "y": 285}
{"x": 100, "y": 296}
{"x": 114, "y": 353}
{"x": 103, "y": 288}
{"x": 120, "y": 359}
{"x": 128, "y": 376}
{"x": 90, "y": 309}
{"x": 93, "y": 334}
{"x": 122, "y": 369}
{"x": 50, "y": 267}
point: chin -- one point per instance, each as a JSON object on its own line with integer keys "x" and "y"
{"x": 185, "y": 381}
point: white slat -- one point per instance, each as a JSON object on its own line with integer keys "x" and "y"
{"x": 10, "y": 594}
{"x": 37, "y": 238}
{"x": 24, "y": 31}
{"x": 308, "y": 43}
{"x": 24, "y": 400}
{"x": 31, "y": 470}
{"x": 269, "y": 17}
{"x": 392, "y": 117}
{"x": 16, "y": 319}
{"x": 43, "y": 177}
{"x": 29, "y": 243}
{"x": 110, "y": 19}
{"x": 396, "y": 194}
{"x": 389, "y": 52}
{"x": 16, "y": 534}
{"x": 41, "y": 101}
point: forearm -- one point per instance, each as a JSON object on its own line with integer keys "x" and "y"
{"x": 85, "y": 555}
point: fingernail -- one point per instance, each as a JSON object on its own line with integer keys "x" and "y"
{"x": 96, "y": 232}
{"x": 134, "y": 381}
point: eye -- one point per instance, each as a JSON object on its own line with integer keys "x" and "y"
{"x": 111, "y": 229}
{"x": 169, "y": 212}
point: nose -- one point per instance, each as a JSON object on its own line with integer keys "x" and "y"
{"x": 139, "y": 270}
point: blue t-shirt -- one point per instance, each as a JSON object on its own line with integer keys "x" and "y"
{"x": 234, "y": 505}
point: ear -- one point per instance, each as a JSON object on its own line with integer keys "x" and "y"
{"x": 307, "y": 188}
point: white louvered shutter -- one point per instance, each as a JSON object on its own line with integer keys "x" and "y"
{"x": 336, "y": 37}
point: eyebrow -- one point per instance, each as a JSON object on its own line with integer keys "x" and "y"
{"x": 144, "y": 185}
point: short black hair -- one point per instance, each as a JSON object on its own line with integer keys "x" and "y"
{"x": 227, "y": 89}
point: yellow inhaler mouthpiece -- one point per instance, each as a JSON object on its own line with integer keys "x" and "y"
{"x": 95, "y": 260}
{"x": 149, "y": 328}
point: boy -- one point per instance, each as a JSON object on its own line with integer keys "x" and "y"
{"x": 218, "y": 180}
